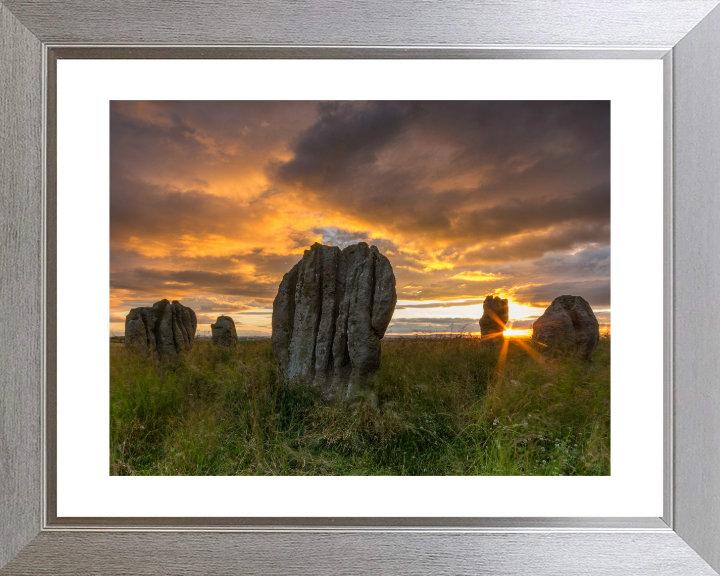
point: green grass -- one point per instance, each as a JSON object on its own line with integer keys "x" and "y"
{"x": 447, "y": 406}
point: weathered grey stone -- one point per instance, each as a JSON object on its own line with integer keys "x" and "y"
{"x": 135, "y": 332}
{"x": 223, "y": 332}
{"x": 165, "y": 328}
{"x": 494, "y": 318}
{"x": 568, "y": 326}
{"x": 330, "y": 313}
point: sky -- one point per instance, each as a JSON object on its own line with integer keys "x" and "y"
{"x": 212, "y": 202}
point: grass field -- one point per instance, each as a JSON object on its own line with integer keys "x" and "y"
{"x": 447, "y": 406}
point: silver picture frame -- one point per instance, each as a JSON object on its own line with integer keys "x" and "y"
{"x": 685, "y": 34}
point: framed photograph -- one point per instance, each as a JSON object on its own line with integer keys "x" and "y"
{"x": 360, "y": 288}
{"x": 473, "y": 211}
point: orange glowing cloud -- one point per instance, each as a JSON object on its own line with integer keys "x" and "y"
{"x": 212, "y": 202}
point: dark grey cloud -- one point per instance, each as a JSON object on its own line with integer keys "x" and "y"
{"x": 564, "y": 237}
{"x": 157, "y": 281}
{"x": 142, "y": 209}
{"x": 349, "y": 137}
{"x": 136, "y": 130}
{"x": 514, "y": 216}
{"x": 588, "y": 263}
{"x": 461, "y": 172}
{"x": 596, "y": 292}
{"x": 344, "y": 138}
{"x": 265, "y": 264}
{"x": 201, "y": 305}
{"x": 162, "y": 140}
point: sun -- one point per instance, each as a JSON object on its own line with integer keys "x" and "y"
{"x": 517, "y": 333}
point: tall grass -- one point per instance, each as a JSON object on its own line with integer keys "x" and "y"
{"x": 447, "y": 406}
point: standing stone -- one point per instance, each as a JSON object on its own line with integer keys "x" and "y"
{"x": 136, "y": 338}
{"x": 165, "y": 328}
{"x": 494, "y": 318}
{"x": 330, "y": 313}
{"x": 223, "y": 332}
{"x": 568, "y": 326}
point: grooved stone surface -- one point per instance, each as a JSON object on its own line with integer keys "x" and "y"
{"x": 165, "y": 328}
{"x": 330, "y": 313}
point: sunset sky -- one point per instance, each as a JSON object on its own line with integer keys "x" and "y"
{"x": 212, "y": 202}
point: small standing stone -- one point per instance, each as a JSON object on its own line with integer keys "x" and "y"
{"x": 223, "y": 332}
{"x": 568, "y": 326}
{"x": 165, "y": 328}
{"x": 494, "y": 318}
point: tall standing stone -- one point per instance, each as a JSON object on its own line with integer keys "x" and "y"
{"x": 330, "y": 313}
{"x": 223, "y": 332}
{"x": 568, "y": 326}
{"x": 166, "y": 329}
{"x": 494, "y": 318}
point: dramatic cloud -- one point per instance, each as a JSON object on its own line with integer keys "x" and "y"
{"x": 195, "y": 281}
{"x": 461, "y": 172}
{"x": 597, "y": 293}
{"x": 212, "y": 202}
